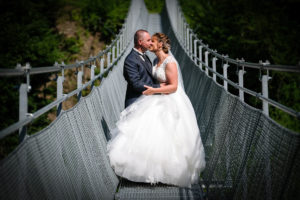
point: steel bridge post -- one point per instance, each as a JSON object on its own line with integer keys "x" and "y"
{"x": 79, "y": 84}
{"x": 191, "y": 45}
{"x": 59, "y": 89}
{"x": 118, "y": 47}
{"x": 187, "y": 41}
{"x": 206, "y": 62}
{"x": 93, "y": 72}
{"x": 185, "y": 31}
{"x": 23, "y": 101}
{"x": 214, "y": 60}
{"x": 195, "y": 51}
{"x": 225, "y": 67}
{"x": 59, "y": 93}
{"x": 241, "y": 84}
{"x": 124, "y": 36}
{"x": 93, "y": 75}
{"x": 265, "y": 93}
{"x": 182, "y": 31}
{"x": 108, "y": 59}
{"x": 265, "y": 88}
{"x": 102, "y": 65}
{"x": 113, "y": 54}
{"x": 241, "y": 81}
{"x": 23, "y": 109}
{"x": 183, "y": 34}
{"x": 200, "y": 56}
{"x": 121, "y": 42}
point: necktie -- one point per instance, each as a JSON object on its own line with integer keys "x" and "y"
{"x": 144, "y": 56}
{"x": 146, "y": 61}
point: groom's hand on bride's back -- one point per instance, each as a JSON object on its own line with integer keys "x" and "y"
{"x": 162, "y": 84}
{"x": 149, "y": 90}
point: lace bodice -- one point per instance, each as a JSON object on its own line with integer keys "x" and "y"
{"x": 159, "y": 72}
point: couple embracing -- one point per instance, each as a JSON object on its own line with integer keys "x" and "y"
{"x": 157, "y": 138}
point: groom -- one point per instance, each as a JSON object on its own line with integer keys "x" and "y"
{"x": 138, "y": 68}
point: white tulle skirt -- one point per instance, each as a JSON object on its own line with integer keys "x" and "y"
{"x": 157, "y": 139}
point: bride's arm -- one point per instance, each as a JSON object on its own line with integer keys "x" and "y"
{"x": 172, "y": 81}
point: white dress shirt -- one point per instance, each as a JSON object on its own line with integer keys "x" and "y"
{"x": 140, "y": 54}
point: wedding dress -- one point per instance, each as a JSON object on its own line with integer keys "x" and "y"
{"x": 157, "y": 138}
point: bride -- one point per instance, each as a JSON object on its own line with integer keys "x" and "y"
{"x": 157, "y": 138}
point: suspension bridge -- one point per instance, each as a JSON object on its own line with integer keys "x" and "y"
{"x": 248, "y": 155}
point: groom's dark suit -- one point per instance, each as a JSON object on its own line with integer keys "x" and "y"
{"x": 137, "y": 73}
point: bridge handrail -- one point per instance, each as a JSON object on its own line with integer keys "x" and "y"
{"x": 31, "y": 117}
{"x": 261, "y": 66}
{"x": 18, "y": 71}
{"x": 255, "y": 94}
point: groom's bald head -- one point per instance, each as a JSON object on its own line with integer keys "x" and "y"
{"x": 139, "y": 35}
{"x": 142, "y": 40}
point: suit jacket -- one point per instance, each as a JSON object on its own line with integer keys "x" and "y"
{"x": 137, "y": 73}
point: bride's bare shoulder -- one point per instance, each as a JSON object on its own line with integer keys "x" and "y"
{"x": 171, "y": 66}
{"x": 171, "y": 59}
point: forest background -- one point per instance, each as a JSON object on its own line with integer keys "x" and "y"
{"x": 44, "y": 32}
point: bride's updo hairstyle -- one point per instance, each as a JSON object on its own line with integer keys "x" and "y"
{"x": 165, "y": 40}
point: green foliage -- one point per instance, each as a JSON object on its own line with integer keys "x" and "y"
{"x": 9, "y": 102}
{"x": 250, "y": 29}
{"x": 154, "y": 6}
{"x": 8, "y": 144}
{"x": 72, "y": 45}
{"x": 284, "y": 87}
{"x": 105, "y": 16}
{"x": 27, "y": 34}
{"x": 254, "y": 30}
